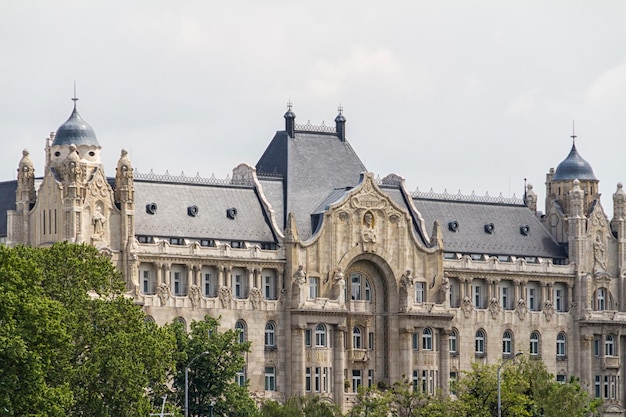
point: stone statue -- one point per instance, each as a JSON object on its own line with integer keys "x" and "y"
{"x": 98, "y": 222}
{"x": 599, "y": 253}
{"x": 299, "y": 277}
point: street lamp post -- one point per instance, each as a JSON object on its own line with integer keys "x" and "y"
{"x": 187, "y": 381}
{"x": 211, "y": 404}
{"x": 499, "y": 368}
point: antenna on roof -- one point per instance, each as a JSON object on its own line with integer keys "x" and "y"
{"x": 74, "y": 99}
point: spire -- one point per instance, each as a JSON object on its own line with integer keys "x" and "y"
{"x": 290, "y": 121}
{"x": 74, "y": 99}
{"x": 340, "y": 124}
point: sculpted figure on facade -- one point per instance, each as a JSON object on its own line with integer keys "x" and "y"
{"x": 339, "y": 285}
{"x": 164, "y": 294}
{"x": 368, "y": 235}
{"x": 255, "y": 297}
{"x": 467, "y": 306}
{"x": 548, "y": 309}
{"x": 599, "y": 254}
{"x": 98, "y": 220}
{"x": 521, "y": 309}
{"x": 299, "y": 288}
{"x": 299, "y": 277}
{"x": 225, "y": 295}
{"x": 494, "y": 307}
{"x": 194, "y": 295}
{"x": 444, "y": 289}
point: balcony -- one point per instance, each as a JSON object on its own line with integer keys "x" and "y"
{"x": 610, "y": 362}
{"x": 358, "y": 355}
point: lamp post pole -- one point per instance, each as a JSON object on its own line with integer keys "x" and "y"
{"x": 500, "y": 368}
{"x": 187, "y": 381}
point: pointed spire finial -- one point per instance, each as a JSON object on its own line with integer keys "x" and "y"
{"x": 573, "y": 133}
{"x": 340, "y": 108}
{"x": 74, "y": 99}
{"x": 289, "y": 104}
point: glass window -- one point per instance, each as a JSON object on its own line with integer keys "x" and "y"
{"x": 240, "y": 377}
{"x": 307, "y": 379}
{"x": 532, "y": 299}
{"x": 355, "y": 280}
{"x": 320, "y": 335}
{"x": 307, "y": 337}
{"x": 601, "y": 299}
{"x": 269, "y": 334}
{"x": 479, "y": 347}
{"x": 415, "y": 341}
{"x": 370, "y": 341}
{"x": 507, "y": 343}
{"x": 478, "y": 299}
{"x": 420, "y": 288}
{"x": 313, "y": 287}
{"x": 534, "y": 343}
{"x": 609, "y": 346}
{"x": 504, "y": 297}
{"x": 427, "y": 339}
{"x": 560, "y": 345}
{"x": 356, "y": 338}
{"x": 453, "y": 341}
{"x": 270, "y": 378}
{"x": 368, "y": 291}
{"x": 356, "y": 379}
{"x": 240, "y": 327}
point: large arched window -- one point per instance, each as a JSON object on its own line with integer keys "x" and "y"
{"x": 534, "y": 343}
{"x": 240, "y": 327}
{"x": 427, "y": 339}
{"x": 479, "y": 342}
{"x": 561, "y": 346}
{"x": 609, "y": 345}
{"x": 270, "y": 332}
{"x": 357, "y": 340}
{"x": 360, "y": 288}
{"x": 507, "y": 343}
{"x": 601, "y": 298}
{"x": 320, "y": 335}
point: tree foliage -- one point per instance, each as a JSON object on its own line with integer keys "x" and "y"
{"x": 300, "y": 407}
{"x": 217, "y": 357}
{"x": 70, "y": 342}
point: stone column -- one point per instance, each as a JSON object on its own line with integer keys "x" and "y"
{"x": 158, "y": 266}
{"x": 517, "y": 293}
{"x": 406, "y": 349}
{"x": 298, "y": 359}
{"x": 544, "y": 293}
{"x": 444, "y": 361}
{"x": 251, "y": 285}
{"x": 190, "y": 277}
{"x": 586, "y": 359}
{"x": 339, "y": 364}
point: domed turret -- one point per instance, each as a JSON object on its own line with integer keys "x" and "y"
{"x": 574, "y": 167}
{"x": 75, "y": 130}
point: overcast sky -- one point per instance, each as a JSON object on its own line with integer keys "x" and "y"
{"x": 452, "y": 95}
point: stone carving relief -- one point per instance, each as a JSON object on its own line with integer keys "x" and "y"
{"x": 225, "y": 296}
{"x": 256, "y": 298}
{"x": 444, "y": 289}
{"x": 521, "y": 309}
{"x": 194, "y": 295}
{"x": 599, "y": 254}
{"x": 368, "y": 235}
{"x": 494, "y": 307}
{"x": 98, "y": 221}
{"x": 548, "y": 309}
{"x": 299, "y": 277}
{"x": 467, "y": 307}
{"x": 164, "y": 294}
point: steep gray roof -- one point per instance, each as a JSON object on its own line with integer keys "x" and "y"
{"x": 172, "y": 218}
{"x": 507, "y": 237}
{"x": 7, "y": 202}
{"x": 312, "y": 164}
{"x": 273, "y": 191}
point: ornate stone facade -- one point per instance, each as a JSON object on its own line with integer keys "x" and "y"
{"x": 355, "y": 291}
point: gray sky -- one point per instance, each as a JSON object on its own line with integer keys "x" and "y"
{"x": 469, "y": 95}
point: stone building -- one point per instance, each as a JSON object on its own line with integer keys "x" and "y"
{"x": 341, "y": 279}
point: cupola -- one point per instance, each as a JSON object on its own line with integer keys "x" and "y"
{"x": 75, "y": 131}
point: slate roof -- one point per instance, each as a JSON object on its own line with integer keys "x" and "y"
{"x": 506, "y": 239}
{"x": 312, "y": 164}
{"x": 75, "y": 131}
{"x": 172, "y": 218}
{"x": 7, "y": 202}
{"x": 273, "y": 191}
{"x": 574, "y": 167}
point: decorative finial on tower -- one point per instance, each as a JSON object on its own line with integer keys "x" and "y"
{"x": 573, "y": 133}
{"x": 290, "y": 121}
{"x": 289, "y": 105}
{"x": 340, "y": 108}
{"x": 74, "y": 99}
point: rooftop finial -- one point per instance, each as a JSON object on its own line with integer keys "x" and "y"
{"x": 74, "y": 99}
{"x": 289, "y": 105}
{"x": 340, "y": 108}
{"x": 573, "y": 133}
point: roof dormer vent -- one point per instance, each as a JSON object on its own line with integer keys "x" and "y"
{"x": 490, "y": 228}
{"x": 453, "y": 226}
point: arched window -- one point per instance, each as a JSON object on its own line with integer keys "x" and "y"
{"x": 355, "y": 286}
{"x": 427, "y": 339}
{"x": 240, "y": 327}
{"x": 357, "y": 342}
{"x": 270, "y": 330}
{"x": 561, "y": 345}
{"x": 320, "y": 335}
{"x": 420, "y": 292}
{"x": 609, "y": 346}
{"x": 507, "y": 343}
{"x": 601, "y": 299}
{"x": 534, "y": 343}
{"x": 453, "y": 341}
{"x": 479, "y": 342}
{"x": 368, "y": 291}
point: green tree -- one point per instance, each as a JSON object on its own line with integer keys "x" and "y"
{"x": 70, "y": 342}
{"x": 212, "y": 374}
{"x": 312, "y": 406}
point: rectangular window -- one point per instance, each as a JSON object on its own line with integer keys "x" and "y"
{"x": 532, "y": 299}
{"x": 420, "y": 289}
{"x": 370, "y": 378}
{"x": 415, "y": 341}
{"x": 146, "y": 282}
{"x": 177, "y": 284}
{"x": 453, "y": 379}
{"x": 560, "y": 379}
{"x": 207, "y": 242}
{"x": 598, "y": 390}
{"x": 307, "y": 379}
{"x": 325, "y": 379}
{"x": 424, "y": 381}
{"x": 416, "y": 379}
{"x": 318, "y": 379}
{"x": 370, "y": 340}
{"x": 268, "y": 287}
{"x": 313, "y": 283}
{"x": 596, "y": 347}
{"x": 504, "y": 297}
{"x": 240, "y": 377}
{"x": 607, "y": 378}
{"x": 238, "y": 286}
{"x": 356, "y": 286}
{"x": 207, "y": 285}
{"x": 270, "y": 378}
{"x": 477, "y": 296}
{"x": 356, "y": 379}
{"x": 558, "y": 299}
{"x": 307, "y": 337}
